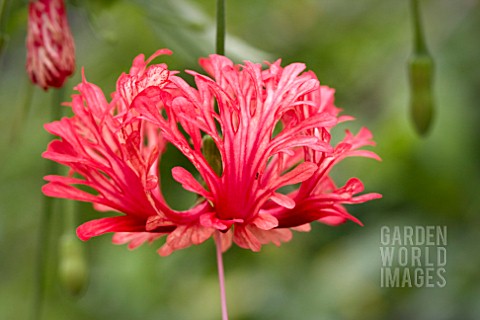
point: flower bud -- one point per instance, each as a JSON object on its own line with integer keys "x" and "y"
{"x": 421, "y": 69}
{"x": 73, "y": 269}
{"x": 211, "y": 154}
{"x": 50, "y": 46}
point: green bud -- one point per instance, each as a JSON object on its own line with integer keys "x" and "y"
{"x": 73, "y": 269}
{"x": 421, "y": 69}
{"x": 211, "y": 154}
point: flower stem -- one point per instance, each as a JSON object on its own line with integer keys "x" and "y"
{"x": 45, "y": 224}
{"x": 22, "y": 112}
{"x": 221, "y": 275}
{"x": 220, "y": 49}
{"x": 3, "y": 18}
{"x": 220, "y": 38}
{"x": 421, "y": 75}
{"x": 418, "y": 36}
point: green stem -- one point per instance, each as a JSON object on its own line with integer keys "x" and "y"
{"x": 22, "y": 112}
{"x": 3, "y": 19}
{"x": 220, "y": 38}
{"x": 45, "y": 224}
{"x": 3, "y": 13}
{"x": 418, "y": 35}
{"x": 71, "y": 216}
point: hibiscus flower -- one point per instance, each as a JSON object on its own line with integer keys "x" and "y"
{"x": 259, "y": 139}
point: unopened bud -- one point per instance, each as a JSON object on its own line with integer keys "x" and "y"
{"x": 73, "y": 269}
{"x": 50, "y": 46}
{"x": 421, "y": 69}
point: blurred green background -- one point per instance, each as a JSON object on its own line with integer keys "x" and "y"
{"x": 358, "y": 47}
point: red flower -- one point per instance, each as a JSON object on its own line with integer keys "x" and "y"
{"x": 50, "y": 46}
{"x": 270, "y": 129}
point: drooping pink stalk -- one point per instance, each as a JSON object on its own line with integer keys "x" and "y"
{"x": 50, "y": 46}
{"x": 221, "y": 275}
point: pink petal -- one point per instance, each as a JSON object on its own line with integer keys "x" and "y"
{"x": 98, "y": 227}
{"x": 103, "y": 208}
{"x": 188, "y": 182}
{"x": 244, "y": 238}
{"x": 185, "y": 236}
{"x": 157, "y": 223}
{"x": 209, "y": 220}
{"x": 300, "y": 173}
{"x": 60, "y": 190}
{"x": 283, "y": 200}
{"x": 332, "y": 220}
{"x": 265, "y": 221}
{"x": 226, "y": 240}
{"x": 65, "y": 180}
{"x": 135, "y": 239}
{"x": 275, "y": 236}
{"x": 303, "y": 228}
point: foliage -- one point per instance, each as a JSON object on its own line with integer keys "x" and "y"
{"x": 358, "y": 47}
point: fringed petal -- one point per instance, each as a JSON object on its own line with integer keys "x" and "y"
{"x": 226, "y": 240}
{"x": 185, "y": 236}
{"x": 275, "y": 236}
{"x": 244, "y": 238}
{"x": 135, "y": 239}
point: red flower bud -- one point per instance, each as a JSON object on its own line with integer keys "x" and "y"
{"x": 50, "y": 46}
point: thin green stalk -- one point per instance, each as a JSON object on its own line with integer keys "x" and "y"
{"x": 3, "y": 14}
{"x": 418, "y": 36}
{"x": 3, "y": 19}
{"x": 71, "y": 216}
{"x": 22, "y": 112}
{"x": 220, "y": 38}
{"x": 45, "y": 225}
{"x": 421, "y": 75}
